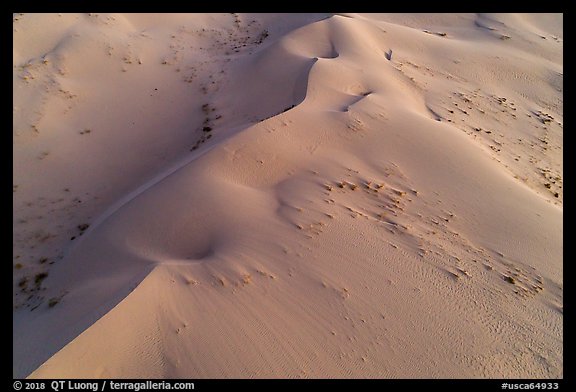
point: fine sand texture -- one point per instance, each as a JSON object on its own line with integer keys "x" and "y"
{"x": 288, "y": 196}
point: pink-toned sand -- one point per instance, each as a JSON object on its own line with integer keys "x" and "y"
{"x": 293, "y": 196}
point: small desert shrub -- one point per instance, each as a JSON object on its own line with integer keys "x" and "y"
{"x": 52, "y": 302}
{"x": 23, "y": 283}
{"x": 40, "y": 277}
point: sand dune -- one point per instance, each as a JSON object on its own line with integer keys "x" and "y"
{"x": 288, "y": 196}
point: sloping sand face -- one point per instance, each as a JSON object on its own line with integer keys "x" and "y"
{"x": 292, "y": 196}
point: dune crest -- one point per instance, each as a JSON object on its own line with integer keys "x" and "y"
{"x": 301, "y": 196}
